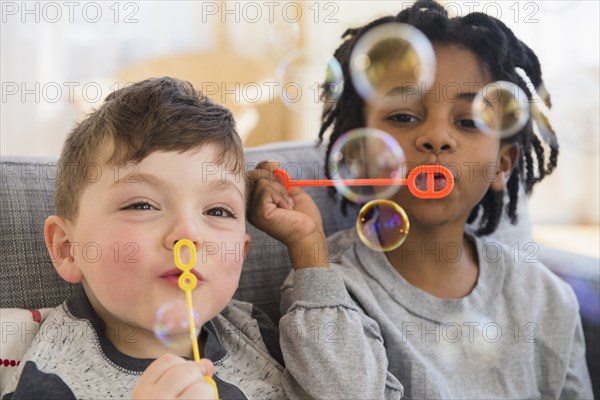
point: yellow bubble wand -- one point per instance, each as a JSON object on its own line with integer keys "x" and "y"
{"x": 187, "y": 282}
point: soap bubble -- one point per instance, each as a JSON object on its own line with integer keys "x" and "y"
{"x": 382, "y": 225}
{"x": 282, "y": 36}
{"x": 365, "y": 153}
{"x": 302, "y": 74}
{"x": 501, "y": 109}
{"x": 392, "y": 63}
{"x": 172, "y": 325}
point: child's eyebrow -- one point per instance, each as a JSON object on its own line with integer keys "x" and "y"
{"x": 141, "y": 177}
{"x": 470, "y": 97}
{"x": 400, "y": 90}
{"x": 410, "y": 90}
{"x": 467, "y": 96}
{"x": 221, "y": 184}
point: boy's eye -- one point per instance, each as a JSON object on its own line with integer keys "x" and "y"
{"x": 403, "y": 118}
{"x": 222, "y": 212}
{"x": 142, "y": 205}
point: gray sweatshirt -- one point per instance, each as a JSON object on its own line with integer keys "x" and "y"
{"x": 70, "y": 358}
{"x": 359, "y": 330}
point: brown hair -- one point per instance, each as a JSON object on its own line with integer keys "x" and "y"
{"x": 164, "y": 114}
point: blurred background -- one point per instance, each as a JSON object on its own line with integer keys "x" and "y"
{"x": 60, "y": 59}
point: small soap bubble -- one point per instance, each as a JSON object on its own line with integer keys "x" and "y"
{"x": 382, "y": 225}
{"x": 392, "y": 63}
{"x": 365, "y": 153}
{"x": 172, "y": 325}
{"x": 334, "y": 82}
{"x": 303, "y": 74}
{"x": 282, "y": 36}
{"x": 501, "y": 109}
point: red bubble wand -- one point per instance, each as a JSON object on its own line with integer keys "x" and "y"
{"x": 411, "y": 181}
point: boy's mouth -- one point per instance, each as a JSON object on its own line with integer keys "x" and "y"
{"x": 172, "y": 276}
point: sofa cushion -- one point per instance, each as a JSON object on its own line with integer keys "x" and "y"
{"x": 27, "y": 198}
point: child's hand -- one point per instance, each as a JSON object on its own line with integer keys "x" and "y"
{"x": 292, "y": 218}
{"x": 172, "y": 377}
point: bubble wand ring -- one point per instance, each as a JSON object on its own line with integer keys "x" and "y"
{"x": 187, "y": 282}
{"x": 411, "y": 181}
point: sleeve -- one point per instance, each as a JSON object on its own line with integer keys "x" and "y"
{"x": 330, "y": 347}
{"x": 269, "y": 334}
{"x": 577, "y": 381}
{"x": 35, "y": 384}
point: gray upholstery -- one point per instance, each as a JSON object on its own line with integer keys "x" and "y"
{"x": 26, "y": 198}
{"x": 28, "y": 279}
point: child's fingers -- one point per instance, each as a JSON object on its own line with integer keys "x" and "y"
{"x": 265, "y": 170}
{"x": 179, "y": 378}
{"x": 268, "y": 188}
{"x": 260, "y": 173}
{"x": 267, "y": 192}
{"x": 268, "y": 164}
{"x": 199, "y": 390}
{"x": 208, "y": 367}
{"x": 158, "y": 368}
{"x": 170, "y": 376}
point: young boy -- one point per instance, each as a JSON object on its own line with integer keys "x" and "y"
{"x": 419, "y": 322}
{"x": 155, "y": 164}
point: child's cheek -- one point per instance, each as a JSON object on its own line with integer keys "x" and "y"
{"x": 121, "y": 257}
{"x": 224, "y": 262}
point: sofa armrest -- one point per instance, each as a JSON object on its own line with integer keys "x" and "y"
{"x": 583, "y": 274}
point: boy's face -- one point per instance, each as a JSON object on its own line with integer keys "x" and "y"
{"x": 130, "y": 220}
{"x": 439, "y": 129}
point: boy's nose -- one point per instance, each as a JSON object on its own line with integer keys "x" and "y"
{"x": 182, "y": 229}
{"x": 193, "y": 241}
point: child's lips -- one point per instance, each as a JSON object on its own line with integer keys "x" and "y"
{"x": 439, "y": 181}
{"x": 172, "y": 276}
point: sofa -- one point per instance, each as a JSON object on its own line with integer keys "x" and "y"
{"x": 28, "y": 280}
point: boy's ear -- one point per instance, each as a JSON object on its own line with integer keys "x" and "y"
{"x": 246, "y": 246}
{"x": 507, "y": 160}
{"x": 58, "y": 243}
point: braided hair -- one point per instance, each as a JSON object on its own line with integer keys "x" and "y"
{"x": 499, "y": 50}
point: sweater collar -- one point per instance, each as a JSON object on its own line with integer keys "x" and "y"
{"x": 80, "y": 307}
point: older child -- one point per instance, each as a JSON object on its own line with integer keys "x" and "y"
{"x": 156, "y": 163}
{"x": 418, "y": 324}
